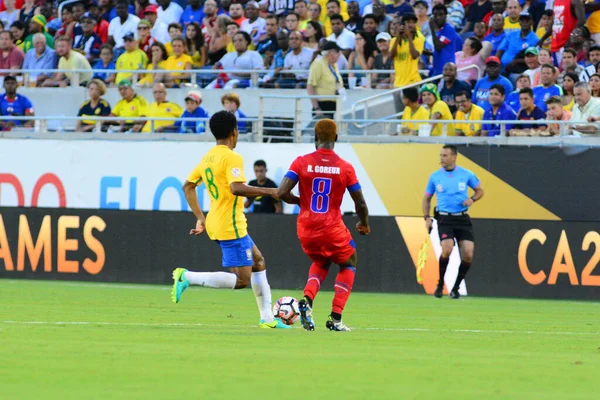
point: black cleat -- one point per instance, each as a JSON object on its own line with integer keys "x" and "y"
{"x": 439, "y": 291}
{"x": 454, "y": 295}
{"x": 306, "y": 315}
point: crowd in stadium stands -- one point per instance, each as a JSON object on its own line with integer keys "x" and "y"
{"x": 538, "y": 60}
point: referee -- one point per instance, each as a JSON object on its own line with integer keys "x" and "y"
{"x": 451, "y": 184}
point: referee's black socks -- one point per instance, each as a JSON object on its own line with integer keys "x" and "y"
{"x": 462, "y": 271}
{"x": 443, "y": 265}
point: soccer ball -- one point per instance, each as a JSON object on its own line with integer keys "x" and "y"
{"x": 287, "y": 310}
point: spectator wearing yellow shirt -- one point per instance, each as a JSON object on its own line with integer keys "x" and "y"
{"x": 407, "y": 48}
{"x": 232, "y": 29}
{"x": 301, "y": 8}
{"x": 413, "y": 111}
{"x": 131, "y": 105}
{"x": 333, "y": 7}
{"x": 511, "y": 21}
{"x": 158, "y": 62}
{"x": 467, "y": 111}
{"x": 197, "y": 49}
{"x": 314, "y": 14}
{"x": 161, "y": 108}
{"x": 544, "y": 28}
{"x": 180, "y": 60}
{"x": 133, "y": 58}
{"x": 438, "y": 110}
{"x": 175, "y": 31}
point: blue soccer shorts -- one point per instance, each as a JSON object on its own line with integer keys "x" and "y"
{"x": 237, "y": 252}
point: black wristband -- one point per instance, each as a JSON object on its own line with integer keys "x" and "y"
{"x": 474, "y": 199}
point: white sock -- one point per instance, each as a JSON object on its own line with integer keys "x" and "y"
{"x": 262, "y": 292}
{"x": 216, "y": 280}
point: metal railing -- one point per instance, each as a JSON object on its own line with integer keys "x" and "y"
{"x": 366, "y": 100}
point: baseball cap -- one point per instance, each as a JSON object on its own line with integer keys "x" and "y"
{"x": 253, "y": 3}
{"x": 87, "y": 15}
{"x": 525, "y": 15}
{"x": 532, "y": 50}
{"x": 145, "y": 22}
{"x": 93, "y": 3}
{"x": 152, "y": 8}
{"x": 409, "y": 17}
{"x": 422, "y": 2}
{"x": 129, "y": 36}
{"x": 492, "y": 59}
{"x": 125, "y": 83}
{"x": 331, "y": 46}
{"x": 383, "y": 36}
{"x": 194, "y": 96}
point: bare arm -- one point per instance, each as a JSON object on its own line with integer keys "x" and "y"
{"x": 476, "y": 196}
{"x": 241, "y": 189}
{"x": 278, "y": 208}
{"x": 284, "y": 191}
{"x": 362, "y": 210}
{"x": 189, "y": 188}
{"x": 312, "y": 91}
{"x": 579, "y": 11}
{"x": 437, "y": 43}
{"x": 411, "y": 46}
{"x": 426, "y": 205}
{"x": 248, "y": 202}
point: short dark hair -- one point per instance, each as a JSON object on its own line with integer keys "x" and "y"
{"x": 10, "y": 78}
{"x": 411, "y": 94}
{"x": 527, "y": 91}
{"x": 553, "y": 100}
{"x": 548, "y": 13}
{"x": 246, "y": 36}
{"x": 451, "y": 147}
{"x": 499, "y": 88}
{"x": 260, "y": 163}
{"x": 333, "y": 1}
{"x": 440, "y": 7}
{"x": 271, "y": 16}
{"x": 475, "y": 44}
{"x": 175, "y": 25}
{"x": 371, "y": 16}
{"x": 222, "y": 124}
{"x": 570, "y": 51}
{"x": 463, "y": 93}
{"x": 336, "y": 17}
{"x": 552, "y": 67}
{"x": 595, "y": 47}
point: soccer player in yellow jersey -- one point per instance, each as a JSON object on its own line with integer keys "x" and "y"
{"x": 222, "y": 171}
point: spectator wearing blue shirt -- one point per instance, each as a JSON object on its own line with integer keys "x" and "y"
{"x": 483, "y": 86}
{"x": 450, "y": 184}
{"x": 498, "y": 35}
{"x": 399, "y": 7}
{"x": 516, "y": 42}
{"x": 192, "y": 110}
{"x": 231, "y": 102}
{"x": 105, "y": 62}
{"x": 498, "y": 111}
{"x": 193, "y": 13}
{"x": 548, "y": 88}
{"x": 528, "y": 112}
{"x": 12, "y": 104}
{"x": 446, "y": 41}
{"x": 40, "y": 57}
{"x": 449, "y": 86}
{"x": 512, "y": 99}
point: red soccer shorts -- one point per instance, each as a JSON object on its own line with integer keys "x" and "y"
{"x": 336, "y": 248}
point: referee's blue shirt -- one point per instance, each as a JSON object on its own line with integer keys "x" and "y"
{"x": 451, "y": 188}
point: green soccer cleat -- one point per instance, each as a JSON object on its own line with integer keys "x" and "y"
{"x": 275, "y": 324}
{"x": 179, "y": 284}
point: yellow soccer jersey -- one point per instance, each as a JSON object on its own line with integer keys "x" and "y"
{"x": 137, "y": 107}
{"x": 162, "y": 110}
{"x": 219, "y": 168}
{"x": 469, "y": 129}
{"x": 442, "y": 108}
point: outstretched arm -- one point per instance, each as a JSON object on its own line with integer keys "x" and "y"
{"x": 241, "y": 189}
{"x": 362, "y": 210}
{"x": 284, "y": 191}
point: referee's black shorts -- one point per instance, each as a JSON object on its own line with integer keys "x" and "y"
{"x": 457, "y": 227}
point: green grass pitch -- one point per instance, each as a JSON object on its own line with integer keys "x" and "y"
{"x": 62, "y": 340}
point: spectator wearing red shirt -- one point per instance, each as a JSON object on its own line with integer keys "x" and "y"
{"x": 101, "y": 28}
{"x": 18, "y": 5}
{"x": 236, "y": 12}
{"x": 11, "y": 57}
{"x": 145, "y": 38}
{"x": 68, "y": 23}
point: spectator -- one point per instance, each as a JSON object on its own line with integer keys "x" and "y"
{"x": 556, "y": 112}
{"x": 108, "y": 11}
{"x": 591, "y": 69}
{"x": 515, "y": 42}
{"x": 445, "y": 39}
{"x": 68, "y": 23}
{"x": 158, "y": 61}
{"x": 544, "y": 29}
{"x": 169, "y": 11}
{"x": 383, "y": 60}
{"x": 333, "y": 8}
{"x": 438, "y": 110}
{"x": 144, "y": 36}
{"x": 292, "y": 22}
{"x": 180, "y": 60}
{"x": 263, "y": 204}
{"x": 407, "y": 48}
{"x": 13, "y": 105}
{"x": 158, "y": 29}
{"x": 195, "y": 44}
{"x": 88, "y": 43}
{"x": 120, "y": 26}
{"x": 473, "y": 53}
{"x": 69, "y": 60}
{"x": 363, "y": 57}
{"x": 300, "y": 8}
{"x": 299, "y": 58}
{"x": 523, "y": 81}
{"x": 232, "y": 29}
{"x": 587, "y": 109}
{"x": 40, "y": 57}
{"x": 355, "y": 22}
{"x": 422, "y": 12}
{"x": 96, "y": 106}
{"x": 11, "y": 57}
{"x": 219, "y": 39}
{"x": 477, "y": 11}
{"x": 595, "y": 85}
{"x": 140, "y": 5}
{"x": 548, "y": 86}
{"x": 18, "y": 31}
{"x": 341, "y": 36}
{"x": 569, "y": 63}
{"x": 192, "y": 110}
{"x": 28, "y": 11}
{"x": 314, "y": 14}
{"x": 413, "y": 111}
{"x": 268, "y": 41}
{"x": 161, "y": 108}
{"x": 483, "y": 86}
{"x": 398, "y": 7}
{"x": 568, "y": 98}
{"x": 381, "y": 18}
{"x": 210, "y": 10}
{"x": 324, "y": 79}
{"x": 236, "y": 13}
{"x": 241, "y": 59}
{"x": 581, "y": 42}
{"x": 456, "y": 13}
{"x": 497, "y": 36}
{"x": 106, "y": 62}
{"x": 11, "y": 14}
{"x": 37, "y": 25}
{"x": 498, "y": 111}
{"x": 175, "y": 31}
{"x": 567, "y": 15}
{"x": 532, "y": 61}
{"x": 529, "y": 112}
{"x": 479, "y": 32}
{"x": 101, "y": 27}
{"x": 370, "y": 24}
{"x": 593, "y": 20}
{"x": 498, "y": 7}
{"x": 467, "y": 111}
{"x": 133, "y": 58}
{"x": 131, "y": 105}
{"x": 313, "y": 35}
{"x": 450, "y": 86}
{"x": 231, "y": 103}
{"x": 512, "y": 19}
{"x": 192, "y": 13}
{"x": 254, "y": 25}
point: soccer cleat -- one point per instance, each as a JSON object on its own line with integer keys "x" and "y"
{"x": 306, "y": 315}
{"x": 179, "y": 284}
{"x": 336, "y": 325}
{"x": 454, "y": 294}
{"x": 439, "y": 291}
{"x": 275, "y": 324}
